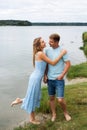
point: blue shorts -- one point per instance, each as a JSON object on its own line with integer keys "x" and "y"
{"x": 56, "y": 87}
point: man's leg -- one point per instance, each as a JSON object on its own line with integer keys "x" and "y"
{"x": 52, "y": 106}
{"x": 63, "y": 106}
{"x": 60, "y": 85}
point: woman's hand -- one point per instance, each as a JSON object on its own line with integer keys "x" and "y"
{"x": 45, "y": 79}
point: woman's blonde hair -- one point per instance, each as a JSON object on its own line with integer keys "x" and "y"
{"x": 36, "y": 47}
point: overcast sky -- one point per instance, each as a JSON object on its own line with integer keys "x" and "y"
{"x": 44, "y": 10}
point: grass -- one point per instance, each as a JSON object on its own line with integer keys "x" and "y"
{"x": 76, "y": 98}
{"x": 78, "y": 71}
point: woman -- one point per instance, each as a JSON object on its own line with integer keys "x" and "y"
{"x": 32, "y": 98}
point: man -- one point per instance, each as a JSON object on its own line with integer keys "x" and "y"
{"x": 55, "y": 76}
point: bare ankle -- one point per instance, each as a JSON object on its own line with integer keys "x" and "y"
{"x": 53, "y": 117}
{"x": 67, "y": 116}
{"x": 17, "y": 101}
{"x": 53, "y": 114}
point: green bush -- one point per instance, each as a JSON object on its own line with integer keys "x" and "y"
{"x": 77, "y": 71}
{"x": 85, "y": 50}
{"x": 84, "y": 38}
{"x": 84, "y": 47}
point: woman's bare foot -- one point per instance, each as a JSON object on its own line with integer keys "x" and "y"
{"x": 35, "y": 122}
{"x": 17, "y": 101}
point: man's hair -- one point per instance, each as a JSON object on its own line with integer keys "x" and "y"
{"x": 55, "y": 37}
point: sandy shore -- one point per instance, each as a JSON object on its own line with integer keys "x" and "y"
{"x": 76, "y": 80}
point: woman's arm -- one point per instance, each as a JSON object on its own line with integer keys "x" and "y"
{"x": 52, "y": 62}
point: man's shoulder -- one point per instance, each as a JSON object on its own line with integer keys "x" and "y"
{"x": 61, "y": 48}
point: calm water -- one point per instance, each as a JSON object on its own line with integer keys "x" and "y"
{"x": 16, "y": 63}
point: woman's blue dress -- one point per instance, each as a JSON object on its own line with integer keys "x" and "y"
{"x": 32, "y": 98}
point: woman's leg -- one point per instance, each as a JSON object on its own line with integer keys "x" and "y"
{"x": 33, "y": 120}
{"x": 17, "y": 101}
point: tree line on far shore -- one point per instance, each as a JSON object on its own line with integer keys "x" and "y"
{"x": 28, "y": 23}
{"x": 14, "y": 23}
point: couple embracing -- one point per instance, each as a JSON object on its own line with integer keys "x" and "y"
{"x": 51, "y": 65}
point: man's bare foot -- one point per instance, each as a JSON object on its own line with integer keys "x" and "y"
{"x": 67, "y": 117}
{"x": 53, "y": 118}
{"x": 35, "y": 122}
{"x": 17, "y": 101}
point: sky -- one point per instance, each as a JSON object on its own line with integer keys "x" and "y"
{"x": 44, "y": 10}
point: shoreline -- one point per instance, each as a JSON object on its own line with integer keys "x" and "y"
{"x": 43, "y": 117}
{"x": 75, "y": 81}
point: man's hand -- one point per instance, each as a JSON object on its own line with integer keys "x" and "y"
{"x": 60, "y": 77}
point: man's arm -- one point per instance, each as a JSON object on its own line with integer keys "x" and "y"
{"x": 66, "y": 68}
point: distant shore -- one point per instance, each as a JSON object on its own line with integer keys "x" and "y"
{"x": 28, "y": 23}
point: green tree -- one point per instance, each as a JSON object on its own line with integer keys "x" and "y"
{"x": 84, "y": 47}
